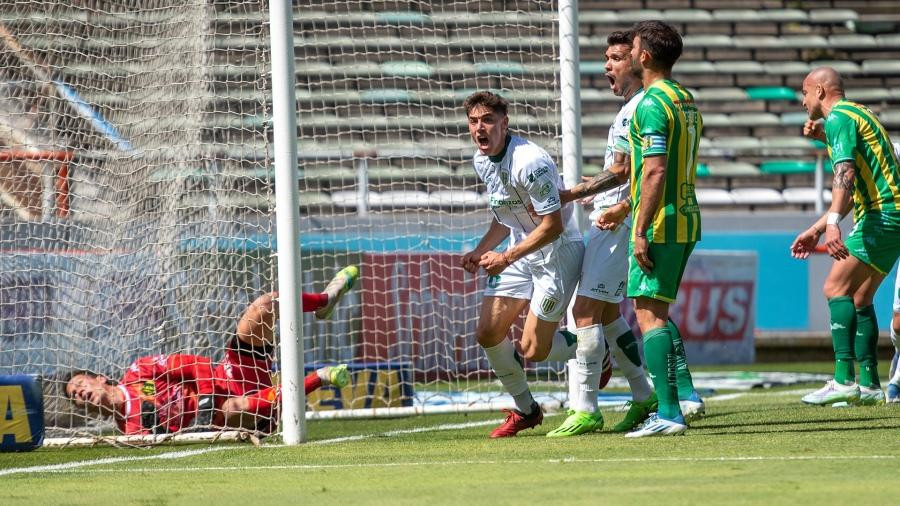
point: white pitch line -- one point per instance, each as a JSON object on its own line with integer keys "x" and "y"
{"x": 111, "y": 460}
{"x": 69, "y": 466}
{"x": 571, "y": 460}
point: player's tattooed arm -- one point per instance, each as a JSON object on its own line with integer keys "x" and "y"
{"x": 844, "y": 175}
{"x": 616, "y": 175}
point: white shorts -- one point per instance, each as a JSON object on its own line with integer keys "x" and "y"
{"x": 549, "y": 284}
{"x": 897, "y": 292}
{"x": 605, "y": 265}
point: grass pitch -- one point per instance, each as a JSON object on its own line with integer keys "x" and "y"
{"x": 757, "y": 447}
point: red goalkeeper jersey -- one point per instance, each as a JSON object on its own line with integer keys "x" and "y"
{"x": 161, "y": 392}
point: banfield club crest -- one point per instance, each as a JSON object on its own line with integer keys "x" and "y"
{"x": 548, "y": 304}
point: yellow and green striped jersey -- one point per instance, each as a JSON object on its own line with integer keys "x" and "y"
{"x": 853, "y": 133}
{"x": 666, "y": 122}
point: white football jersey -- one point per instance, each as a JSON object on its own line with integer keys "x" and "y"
{"x": 525, "y": 174}
{"x": 618, "y": 135}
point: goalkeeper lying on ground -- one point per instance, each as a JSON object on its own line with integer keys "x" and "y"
{"x": 167, "y": 393}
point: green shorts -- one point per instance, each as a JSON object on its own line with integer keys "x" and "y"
{"x": 669, "y": 261}
{"x": 875, "y": 240}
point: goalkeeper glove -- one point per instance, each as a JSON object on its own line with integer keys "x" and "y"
{"x": 205, "y": 410}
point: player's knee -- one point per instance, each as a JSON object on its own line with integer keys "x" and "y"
{"x": 587, "y": 311}
{"x": 488, "y": 336}
{"x": 834, "y": 288}
{"x": 895, "y": 323}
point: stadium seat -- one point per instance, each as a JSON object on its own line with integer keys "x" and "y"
{"x": 598, "y": 95}
{"x": 888, "y": 40}
{"x": 686, "y": 16}
{"x": 873, "y": 94}
{"x": 500, "y": 67}
{"x": 350, "y": 198}
{"x": 881, "y": 67}
{"x": 703, "y": 41}
{"x": 803, "y": 195}
{"x": 406, "y": 69}
{"x": 832, "y": 15}
{"x": 890, "y": 118}
{"x": 332, "y": 173}
{"x": 456, "y": 198}
{"x": 713, "y": 197}
{"x": 793, "y": 118}
{"x": 786, "y": 68}
{"x": 591, "y": 169}
{"x": 592, "y": 68}
{"x": 732, "y": 144}
{"x": 714, "y": 94}
{"x": 787, "y": 166}
{"x": 753, "y": 119}
{"x": 403, "y": 18}
{"x": 311, "y": 199}
{"x": 633, "y": 16}
{"x": 783, "y": 15}
{"x": 702, "y": 170}
{"x": 756, "y": 196}
{"x": 738, "y": 67}
{"x": 845, "y": 67}
{"x": 771, "y": 93}
{"x": 775, "y": 146}
{"x": 385, "y": 96}
{"x": 409, "y": 173}
{"x": 694, "y": 67}
{"x": 732, "y": 169}
{"x": 736, "y": 15}
{"x": 852, "y": 41}
{"x": 400, "y": 198}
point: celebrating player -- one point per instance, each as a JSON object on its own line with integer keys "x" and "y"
{"x": 539, "y": 269}
{"x": 865, "y": 178}
{"x": 167, "y": 393}
{"x": 602, "y": 285}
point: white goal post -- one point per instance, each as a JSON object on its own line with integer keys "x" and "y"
{"x": 147, "y": 167}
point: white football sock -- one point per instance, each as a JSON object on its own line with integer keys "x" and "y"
{"x": 589, "y": 366}
{"x": 895, "y": 367}
{"x": 563, "y": 347}
{"x": 510, "y": 373}
{"x": 634, "y": 373}
{"x": 573, "y": 379}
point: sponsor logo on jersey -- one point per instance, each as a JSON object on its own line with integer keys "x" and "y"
{"x": 148, "y": 388}
{"x": 646, "y": 143}
{"x": 545, "y": 190}
{"x": 504, "y": 177}
{"x": 548, "y": 304}
{"x": 495, "y": 202}
{"x": 538, "y": 173}
{"x": 493, "y": 281}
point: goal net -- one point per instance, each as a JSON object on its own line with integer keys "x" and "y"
{"x": 137, "y": 186}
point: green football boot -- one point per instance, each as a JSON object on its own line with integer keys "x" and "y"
{"x": 637, "y": 413}
{"x": 578, "y": 422}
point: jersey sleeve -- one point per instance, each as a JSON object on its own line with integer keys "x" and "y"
{"x": 652, "y": 125}
{"x": 539, "y": 179}
{"x": 191, "y": 368}
{"x": 840, "y": 134}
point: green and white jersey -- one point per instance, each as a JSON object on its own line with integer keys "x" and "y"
{"x": 853, "y": 133}
{"x": 666, "y": 122}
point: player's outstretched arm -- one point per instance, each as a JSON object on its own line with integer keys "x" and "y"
{"x": 616, "y": 175}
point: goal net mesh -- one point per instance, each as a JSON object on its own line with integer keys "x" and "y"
{"x": 137, "y": 184}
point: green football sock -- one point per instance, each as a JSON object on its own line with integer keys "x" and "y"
{"x": 659, "y": 356}
{"x": 843, "y": 332}
{"x": 626, "y": 343}
{"x": 682, "y": 373}
{"x": 865, "y": 346}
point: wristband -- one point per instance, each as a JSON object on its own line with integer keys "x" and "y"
{"x": 506, "y": 259}
{"x": 641, "y": 234}
{"x": 833, "y": 218}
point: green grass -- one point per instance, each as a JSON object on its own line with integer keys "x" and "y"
{"x": 763, "y": 447}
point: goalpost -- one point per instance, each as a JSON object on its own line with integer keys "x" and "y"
{"x": 171, "y": 115}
